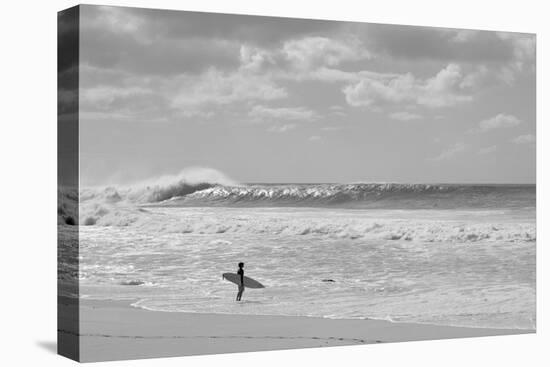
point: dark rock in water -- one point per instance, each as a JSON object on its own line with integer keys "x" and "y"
{"x": 70, "y": 221}
{"x": 90, "y": 221}
{"x": 132, "y": 282}
{"x": 328, "y": 280}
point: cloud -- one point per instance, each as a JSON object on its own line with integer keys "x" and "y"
{"x": 487, "y": 150}
{"x": 450, "y": 152}
{"x": 256, "y": 59}
{"x": 443, "y": 89}
{"x": 216, "y": 87}
{"x": 311, "y": 42}
{"x": 307, "y": 58}
{"x": 476, "y": 78}
{"x": 312, "y": 52}
{"x": 257, "y": 78}
{"x": 498, "y": 122}
{"x": 370, "y": 91}
{"x": 523, "y": 48}
{"x": 113, "y": 18}
{"x": 524, "y": 139}
{"x": 329, "y": 75}
{"x": 314, "y": 138}
{"x": 445, "y": 44}
{"x": 109, "y": 94}
{"x": 134, "y": 40}
{"x": 262, "y": 113}
{"x": 199, "y": 64}
{"x": 123, "y": 96}
{"x": 404, "y": 116}
{"x": 504, "y": 56}
{"x": 169, "y": 24}
{"x": 184, "y": 95}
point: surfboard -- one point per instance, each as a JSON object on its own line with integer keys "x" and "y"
{"x": 248, "y": 282}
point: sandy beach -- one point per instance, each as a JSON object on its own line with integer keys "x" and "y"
{"x": 114, "y": 330}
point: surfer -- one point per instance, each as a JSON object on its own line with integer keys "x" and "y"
{"x": 241, "y": 281}
{"x": 240, "y": 272}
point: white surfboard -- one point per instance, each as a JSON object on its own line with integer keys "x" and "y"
{"x": 248, "y": 282}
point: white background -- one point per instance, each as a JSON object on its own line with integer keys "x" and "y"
{"x": 28, "y": 180}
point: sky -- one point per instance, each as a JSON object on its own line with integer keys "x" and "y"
{"x": 265, "y": 99}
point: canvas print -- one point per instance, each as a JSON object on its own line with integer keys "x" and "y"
{"x": 233, "y": 183}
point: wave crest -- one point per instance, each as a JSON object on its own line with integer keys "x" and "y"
{"x": 123, "y": 201}
{"x": 204, "y": 187}
{"x": 374, "y": 195}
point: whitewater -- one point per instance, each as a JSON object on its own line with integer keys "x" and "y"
{"x": 429, "y": 253}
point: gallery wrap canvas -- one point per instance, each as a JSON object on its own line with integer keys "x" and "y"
{"x": 234, "y": 183}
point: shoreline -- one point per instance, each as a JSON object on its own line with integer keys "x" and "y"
{"x": 133, "y": 305}
{"x": 115, "y": 330}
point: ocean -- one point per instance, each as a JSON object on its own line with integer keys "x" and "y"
{"x": 460, "y": 255}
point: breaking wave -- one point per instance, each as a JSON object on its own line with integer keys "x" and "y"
{"x": 200, "y": 187}
{"x": 364, "y": 195}
{"x": 124, "y": 201}
{"x": 160, "y": 189}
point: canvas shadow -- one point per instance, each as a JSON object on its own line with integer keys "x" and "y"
{"x": 48, "y": 345}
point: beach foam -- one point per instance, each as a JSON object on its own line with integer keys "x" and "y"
{"x": 470, "y": 268}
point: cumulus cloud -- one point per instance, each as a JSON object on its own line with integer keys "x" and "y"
{"x": 443, "y": 89}
{"x": 187, "y": 95}
{"x": 257, "y": 78}
{"x": 256, "y": 59}
{"x": 368, "y": 91}
{"x": 477, "y": 77}
{"x": 311, "y": 52}
{"x": 217, "y": 87}
{"x": 498, "y": 122}
{"x": 524, "y": 139}
{"x": 450, "y": 152}
{"x": 176, "y": 67}
{"x": 306, "y": 58}
{"x": 263, "y": 113}
{"x": 262, "y": 70}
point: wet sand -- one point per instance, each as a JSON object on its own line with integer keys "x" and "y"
{"x": 113, "y": 330}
